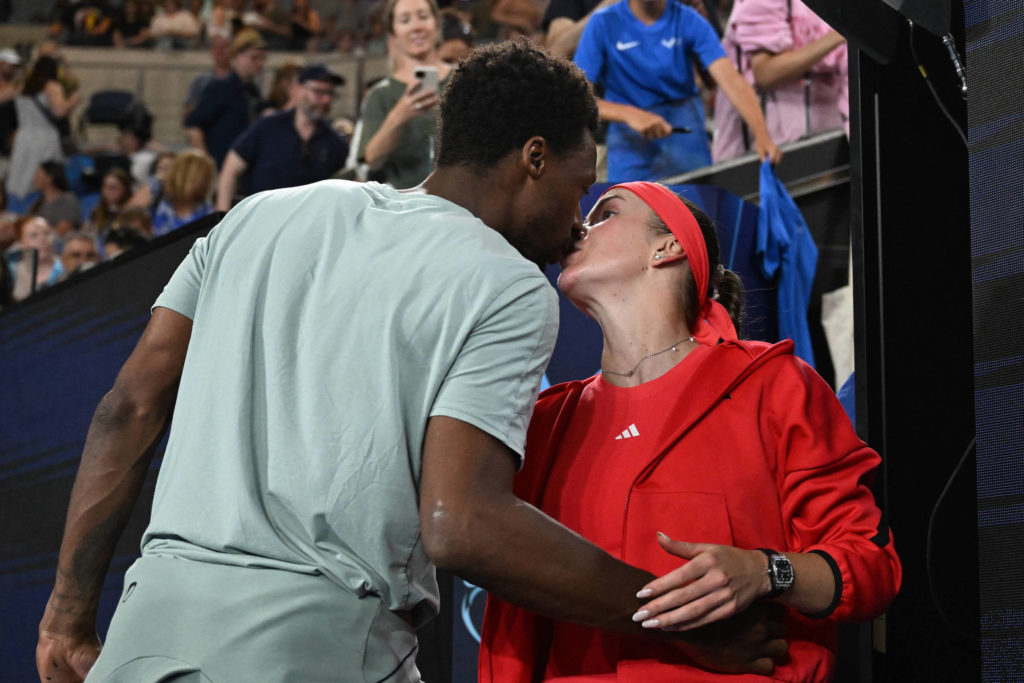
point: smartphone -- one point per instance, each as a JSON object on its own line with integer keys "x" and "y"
{"x": 427, "y": 76}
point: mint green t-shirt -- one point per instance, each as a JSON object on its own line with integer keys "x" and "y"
{"x": 331, "y": 321}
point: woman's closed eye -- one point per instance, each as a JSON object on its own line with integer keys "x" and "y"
{"x": 600, "y": 217}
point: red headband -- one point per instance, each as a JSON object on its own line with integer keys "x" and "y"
{"x": 713, "y": 321}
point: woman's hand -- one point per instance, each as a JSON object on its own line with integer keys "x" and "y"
{"x": 767, "y": 149}
{"x": 718, "y": 582}
{"x": 415, "y": 101}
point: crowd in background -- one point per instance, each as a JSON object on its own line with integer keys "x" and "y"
{"x": 754, "y": 74}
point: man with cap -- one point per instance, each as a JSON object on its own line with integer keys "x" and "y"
{"x": 227, "y": 106}
{"x": 289, "y": 148}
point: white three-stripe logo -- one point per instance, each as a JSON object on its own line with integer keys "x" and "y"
{"x": 628, "y": 433}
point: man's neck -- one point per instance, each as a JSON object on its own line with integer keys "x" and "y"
{"x": 304, "y": 125}
{"x": 483, "y": 194}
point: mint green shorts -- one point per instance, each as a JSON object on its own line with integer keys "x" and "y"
{"x": 181, "y": 620}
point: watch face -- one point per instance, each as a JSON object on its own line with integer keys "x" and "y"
{"x": 782, "y": 571}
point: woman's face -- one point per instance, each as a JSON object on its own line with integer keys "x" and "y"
{"x": 415, "y": 29}
{"x": 40, "y": 180}
{"x": 616, "y": 245}
{"x": 163, "y": 165}
{"x": 113, "y": 192}
{"x": 37, "y": 234}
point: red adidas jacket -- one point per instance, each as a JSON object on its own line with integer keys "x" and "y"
{"x": 761, "y": 456}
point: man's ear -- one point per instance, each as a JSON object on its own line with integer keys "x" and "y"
{"x": 534, "y": 156}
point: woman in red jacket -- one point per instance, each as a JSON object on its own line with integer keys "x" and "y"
{"x": 735, "y": 449}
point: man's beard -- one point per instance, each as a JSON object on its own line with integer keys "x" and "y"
{"x": 315, "y": 115}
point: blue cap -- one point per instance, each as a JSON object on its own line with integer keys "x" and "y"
{"x": 319, "y": 72}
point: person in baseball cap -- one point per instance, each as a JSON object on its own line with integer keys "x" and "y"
{"x": 293, "y": 147}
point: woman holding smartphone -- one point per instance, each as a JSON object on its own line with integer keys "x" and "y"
{"x": 395, "y": 135}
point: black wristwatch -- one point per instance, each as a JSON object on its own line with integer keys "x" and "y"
{"x": 780, "y": 571}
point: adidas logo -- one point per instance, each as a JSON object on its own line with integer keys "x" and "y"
{"x": 628, "y": 433}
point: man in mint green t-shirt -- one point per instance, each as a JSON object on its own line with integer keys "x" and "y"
{"x": 351, "y": 370}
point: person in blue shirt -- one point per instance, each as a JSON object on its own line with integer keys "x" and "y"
{"x": 228, "y": 105}
{"x": 642, "y": 52}
{"x": 290, "y": 148}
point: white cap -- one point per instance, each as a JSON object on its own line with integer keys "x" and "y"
{"x": 9, "y": 56}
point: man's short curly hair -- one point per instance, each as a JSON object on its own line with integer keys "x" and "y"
{"x": 504, "y": 94}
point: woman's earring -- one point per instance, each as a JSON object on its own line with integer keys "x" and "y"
{"x": 657, "y": 257}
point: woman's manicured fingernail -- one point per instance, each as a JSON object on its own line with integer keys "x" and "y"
{"x": 641, "y": 615}
{"x": 651, "y": 623}
{"x": 645, "y": 593}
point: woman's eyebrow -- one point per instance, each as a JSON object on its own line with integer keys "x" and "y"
{"x": 601, "y": 202}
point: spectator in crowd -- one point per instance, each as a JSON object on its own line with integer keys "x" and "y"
{"x": 564, "y": 21}
{"x": 344, "y": 42}
{"x": 396, "y": 134}
{"x": 284, "y": 89}
{"x": 115, "y": 192}
{"x": 376, "y": 42}
{"x": 289, "y": 148}
{"x": 120, "y": 240}
{"x": 225, "y": 17}
{"x": 456, "y": 36}
{"x": 132, "y": 27}
{"x": 228, "y": 105}
{"x": 517, "y": 18}
{"x": 135, "y": 141}
{"x": 306, "y": 28}
{"x": 349, "y": 16}
{"x": 79, "y": 253}
{"x": 640, "y": 51}
{"x": 38, "y": 138}
{"x": 220, "y": 55}
{"x": 186, "y": 192}
{"x": 7, "y": 218}
{"x": 271, "y": 21}
{"x": 10, "y": 88}
{"x": 34, "y": 251}
{"x": 136, "y": 218}
{"x": 56, "y": 204}
{"x": 174, "y": 26}
{"x": 797, "y": 64}
{"x": 149, "y": 195}
{"x": 83, "y": 22}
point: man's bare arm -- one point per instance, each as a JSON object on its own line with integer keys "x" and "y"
{"x": 475, "y": 526}
{"x": 118, "y": 450}
{"x": 564, "y": 34}
{"x": 234, "y": 166}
